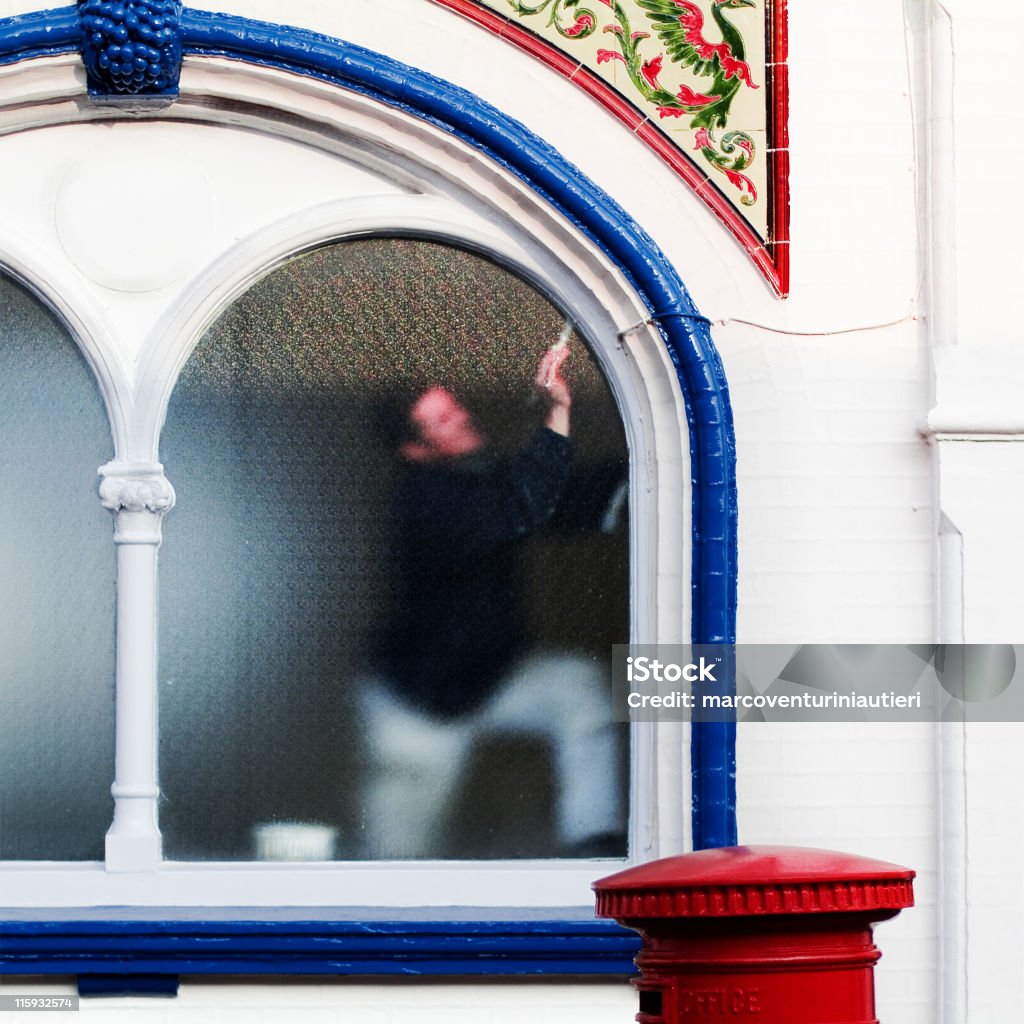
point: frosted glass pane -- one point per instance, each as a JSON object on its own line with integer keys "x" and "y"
{"x": 302, "y": 603}
{"x": 57, "y": 592}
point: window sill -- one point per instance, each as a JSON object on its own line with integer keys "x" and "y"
{"x": 313, "y": 941}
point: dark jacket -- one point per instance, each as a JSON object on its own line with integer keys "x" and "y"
{"x": 458, "y": 620}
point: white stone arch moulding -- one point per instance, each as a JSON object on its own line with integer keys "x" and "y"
{"x": 452, "y": 194}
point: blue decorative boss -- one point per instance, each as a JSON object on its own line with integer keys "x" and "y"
{"x": 131, "y": 47}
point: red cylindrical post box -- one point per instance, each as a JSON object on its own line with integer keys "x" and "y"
{"x": 764, "y": 934}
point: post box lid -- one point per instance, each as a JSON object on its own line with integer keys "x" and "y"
{"x": 753, "y": 880}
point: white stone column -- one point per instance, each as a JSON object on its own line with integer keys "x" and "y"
{"x": 139, "y": 495}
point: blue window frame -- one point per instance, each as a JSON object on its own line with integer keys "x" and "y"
{"x": 63, "y": 941}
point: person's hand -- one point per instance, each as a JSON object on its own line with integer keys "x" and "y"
{"x": 552, "y": 387}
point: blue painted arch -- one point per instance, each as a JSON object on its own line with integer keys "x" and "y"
{"x": 593, "y": 212}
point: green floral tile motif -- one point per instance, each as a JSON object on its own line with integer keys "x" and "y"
{"x": 688, "y": 63}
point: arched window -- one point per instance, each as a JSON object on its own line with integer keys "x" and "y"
{"x": 237, "y": 367}
{"x": 343, "y": 675}
{"x": 57, "y": 587}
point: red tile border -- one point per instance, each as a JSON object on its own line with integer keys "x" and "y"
{"x": 778, "y": 134}
{"x": 605, "y": 95}
{"x": 778, "y": 19}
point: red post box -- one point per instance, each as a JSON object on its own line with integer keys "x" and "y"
{"x": 762, "y": 934}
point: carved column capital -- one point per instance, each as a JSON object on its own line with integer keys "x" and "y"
{"x": 139, "y": 495}
{"x": 135, "y": 487}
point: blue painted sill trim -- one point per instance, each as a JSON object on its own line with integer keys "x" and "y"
{"x": 685, "y": 331}
{"x": 313, "y": 941}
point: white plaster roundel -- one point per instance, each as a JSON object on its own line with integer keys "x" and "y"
{"x": 134, "y": 218}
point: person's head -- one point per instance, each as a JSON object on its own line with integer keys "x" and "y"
{"x": 444, "y": 428}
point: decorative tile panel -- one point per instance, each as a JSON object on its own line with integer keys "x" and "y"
{"x": 702, "y": 82}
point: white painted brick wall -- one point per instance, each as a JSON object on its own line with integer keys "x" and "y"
{"x": 836, "y": 485}
{"x": 863, "y": 789}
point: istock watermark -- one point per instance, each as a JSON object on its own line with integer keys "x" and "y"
{"x": 819, "y": 682}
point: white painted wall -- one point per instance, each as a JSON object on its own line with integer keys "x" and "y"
{"x": 883, "y": 393}
{"x": 331, "y": 1001}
